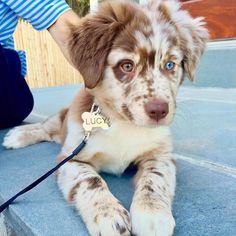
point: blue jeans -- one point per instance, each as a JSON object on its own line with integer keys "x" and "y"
{"x": 16, "y": 100}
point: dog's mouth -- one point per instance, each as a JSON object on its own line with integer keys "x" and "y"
{"x": 153, "y": 122}
{"x": 150, "y": 123}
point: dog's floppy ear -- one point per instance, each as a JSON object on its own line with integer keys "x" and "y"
{"x": 193, "y": 42}
{"x": 90, "y": 45}
{"x": 193, "y": 38}
{"x": 92, "y": 41}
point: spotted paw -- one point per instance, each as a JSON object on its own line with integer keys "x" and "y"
{"x": 150, "y": 222}
{"x": 112, "y": 220}
{"x": 14, "y": 138}
{"x": 23, "y": 136}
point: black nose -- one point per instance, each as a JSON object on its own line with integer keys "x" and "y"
{"x": 157, "y": 109}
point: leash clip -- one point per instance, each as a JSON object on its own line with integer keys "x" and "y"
{"x": 95, "y": 109}
{"x": 86, "y": 135}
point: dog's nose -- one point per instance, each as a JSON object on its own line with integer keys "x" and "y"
{"x": 157, "y": 109}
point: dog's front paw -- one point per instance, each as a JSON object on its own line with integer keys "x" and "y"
{"x": 112, "y": 220}
{"x": 14, "y": 138}
{"x": 151, "y": 222}
{"x": 25, "y": 135}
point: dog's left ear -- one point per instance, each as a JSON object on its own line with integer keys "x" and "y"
{"x": 193, "y": 38}
{"x": 193, "y": 41}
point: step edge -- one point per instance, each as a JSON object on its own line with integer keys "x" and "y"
{"x": 221, "y": 45}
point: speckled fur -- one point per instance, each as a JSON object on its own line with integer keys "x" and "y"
{"x": 149, "y": 36}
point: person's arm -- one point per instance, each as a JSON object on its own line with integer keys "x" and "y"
{"x": 54, "y": 15}
{"x": 60, "y": 31}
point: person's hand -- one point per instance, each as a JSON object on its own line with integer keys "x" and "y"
{"x": 60, "y": 31}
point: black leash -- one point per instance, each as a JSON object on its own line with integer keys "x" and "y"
{"x": 39, "y": 180}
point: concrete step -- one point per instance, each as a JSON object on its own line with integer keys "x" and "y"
{"x": 204, "y": 139}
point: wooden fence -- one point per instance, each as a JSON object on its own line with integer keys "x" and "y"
{"x": 46, "y": 64}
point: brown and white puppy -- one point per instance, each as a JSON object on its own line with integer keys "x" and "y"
{"x": 133, "y": 59}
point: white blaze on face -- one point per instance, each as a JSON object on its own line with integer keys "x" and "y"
{"x": 143, "y": 41}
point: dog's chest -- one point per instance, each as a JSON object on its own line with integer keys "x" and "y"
{"x": 114, "y": 149}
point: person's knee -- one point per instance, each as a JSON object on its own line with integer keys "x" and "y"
{"x": 26, "y": 107}
{"x": 15, "y": 111}
{"x": 16, "y": 99}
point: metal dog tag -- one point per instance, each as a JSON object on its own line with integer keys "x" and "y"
{"x": 94, "y": 120}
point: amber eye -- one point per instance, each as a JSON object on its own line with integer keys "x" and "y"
{"x": 127, "y": 66}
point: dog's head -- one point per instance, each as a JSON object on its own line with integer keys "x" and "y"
{"x": 133, "y": 58}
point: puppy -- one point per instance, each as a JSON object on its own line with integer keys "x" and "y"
{"x": 133, "y": 59}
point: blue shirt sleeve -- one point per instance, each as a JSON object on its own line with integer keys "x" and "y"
{"x": 40, "y": 13}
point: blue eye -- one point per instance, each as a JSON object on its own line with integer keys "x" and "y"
{"x": 169, "y": 65}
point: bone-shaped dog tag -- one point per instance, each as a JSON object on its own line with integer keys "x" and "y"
{"x": 94, "y": 120}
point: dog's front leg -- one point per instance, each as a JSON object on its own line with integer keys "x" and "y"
{"x": 100, "y": 210}
{"x": 151, "y": 207}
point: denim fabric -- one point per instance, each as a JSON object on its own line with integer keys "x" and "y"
{"x": 16, "y": 100}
